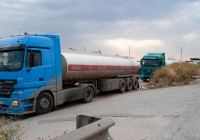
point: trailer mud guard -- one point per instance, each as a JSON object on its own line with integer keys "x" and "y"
{"x": 89, "y": 128}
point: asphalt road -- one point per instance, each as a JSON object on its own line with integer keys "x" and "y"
{"x": 159, "y": 114}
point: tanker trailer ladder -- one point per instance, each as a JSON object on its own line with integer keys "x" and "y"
{"x": 89, "y": 128}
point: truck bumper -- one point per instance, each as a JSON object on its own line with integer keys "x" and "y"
{"x": 144, "y": 77}
{"x": 7, "y": 108}
{"x": 23, "y": 107}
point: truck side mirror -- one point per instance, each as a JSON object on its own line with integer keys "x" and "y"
{"x": 141, "y": 61}
{"x": 160, "y": 61}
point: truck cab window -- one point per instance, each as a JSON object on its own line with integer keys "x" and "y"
{"x": 11, "y": 60}
{"x": 33, "y": 58}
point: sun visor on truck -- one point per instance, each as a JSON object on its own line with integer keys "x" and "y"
{"x": 12, "y": 47}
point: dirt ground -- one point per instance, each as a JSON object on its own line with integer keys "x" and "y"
{"x": 144, "y": 85}
{"x": 164, "y": 113}
{"x": 161, "y": 114}
{"x": 196, "y": 81}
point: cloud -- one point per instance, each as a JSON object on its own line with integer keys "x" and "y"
{"x": 191, "y": 36}
{"x": 121, "y": 46}
{"x": 156, "y": 25}
{"x": 121, "y": 43}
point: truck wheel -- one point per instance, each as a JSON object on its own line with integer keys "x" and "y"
{"x": 129, "y": 85}
{"x": 44, "y": 103}
{"x": 135, "y": 84}
{"x": 122, "y": 87}
{"x": 88, "y": 94}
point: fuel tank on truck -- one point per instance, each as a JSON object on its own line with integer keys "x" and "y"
{"x": 78, "y": 67}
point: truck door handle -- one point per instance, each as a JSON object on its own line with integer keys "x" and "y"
{"x": 41, "y": 79}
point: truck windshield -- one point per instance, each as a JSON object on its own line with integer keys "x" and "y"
{"x": 11, "y": 60}
{"x": 150, "y": 62}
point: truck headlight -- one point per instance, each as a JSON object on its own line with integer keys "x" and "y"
{"x": 15, "y": 103}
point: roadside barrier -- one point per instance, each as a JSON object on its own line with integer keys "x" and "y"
{"x": 89, "y": 128}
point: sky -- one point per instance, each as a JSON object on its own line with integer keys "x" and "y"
{"x": 111, "y": 26}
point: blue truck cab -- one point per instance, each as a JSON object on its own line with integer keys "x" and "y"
{"x": 29, "y": 65}
{"x": 150, "y": 63}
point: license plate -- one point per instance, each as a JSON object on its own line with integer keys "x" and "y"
{"x": 1, "y": 102}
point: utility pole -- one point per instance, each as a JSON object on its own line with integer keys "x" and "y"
{"x": 181, "y": 48}
{"x": 84, "y": 49}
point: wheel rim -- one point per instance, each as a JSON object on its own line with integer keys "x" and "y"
{"x": 88, "y": 94}
{"x": 44, "y": 103}
{"x": 123, "y": 84}
{"x": 130, "y": 85}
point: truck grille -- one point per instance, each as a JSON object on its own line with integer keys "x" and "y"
{"x": 7, "y": 87}
{"x": 148, "y": 72}
{"x": 3, "y": 107}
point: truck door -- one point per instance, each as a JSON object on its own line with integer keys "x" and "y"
{"x": 33, "y": 69}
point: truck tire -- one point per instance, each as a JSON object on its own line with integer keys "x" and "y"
{"x": 44, "y": 103}
{"x": 122, "y": 86}
{"x": 129, "y": 85}
{"x": 135, "y": 84}
{"x": 88, "y": 94}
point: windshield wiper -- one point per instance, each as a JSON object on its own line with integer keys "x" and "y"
{"x": 145, "y": 64}
{"x": 5, "y": 68}
{"x": 150, "y": 65}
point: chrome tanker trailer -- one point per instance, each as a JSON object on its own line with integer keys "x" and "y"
{"x": 79, "y": 67}
{"x": 85, "y": 75}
